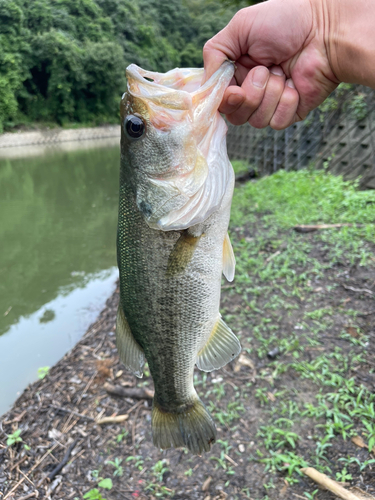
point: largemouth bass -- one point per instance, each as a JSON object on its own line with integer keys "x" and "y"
{"x": 176, "y": 186}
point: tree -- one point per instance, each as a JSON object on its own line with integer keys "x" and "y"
{"x": 64, "y": 60}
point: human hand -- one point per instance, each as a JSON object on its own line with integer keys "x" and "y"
{"x": 283, "y": 68}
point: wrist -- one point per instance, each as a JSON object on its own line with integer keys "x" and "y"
{"x": 349, "y": 37}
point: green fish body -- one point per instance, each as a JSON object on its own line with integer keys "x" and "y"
{"x": 171, "y": 258}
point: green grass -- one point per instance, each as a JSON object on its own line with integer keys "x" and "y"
{"x": 276, "y": 274}
{"x": 307, "y": 197}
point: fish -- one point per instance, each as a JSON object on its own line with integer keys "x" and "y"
{"x": 176, "y": 188}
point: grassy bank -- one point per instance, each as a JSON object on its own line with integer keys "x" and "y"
{"x": 294, "y": 295}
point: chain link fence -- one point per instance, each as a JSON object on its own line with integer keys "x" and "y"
{"x": 339, "y": 135}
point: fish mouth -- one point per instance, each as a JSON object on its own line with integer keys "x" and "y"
{"x": 177, "y": 89}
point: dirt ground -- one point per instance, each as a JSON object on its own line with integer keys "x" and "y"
{"x": 284, "y": 329}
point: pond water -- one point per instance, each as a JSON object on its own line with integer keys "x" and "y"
{"x": 58, "y": 216}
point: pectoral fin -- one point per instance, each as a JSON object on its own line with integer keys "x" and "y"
{"x": 229, "y": 261}
{"x": 222, "y": 346}
{"x": 182, "y": 253}
{"x": 130, "y": 352}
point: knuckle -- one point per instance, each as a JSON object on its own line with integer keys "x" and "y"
{"x": 275, "y": 125}
{"x": 207, "y": 47}
{"x": 235, "y": 119}
{"x": 257, "y": 122}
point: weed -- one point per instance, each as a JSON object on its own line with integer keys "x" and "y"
{"x": 311, "y": 496}
{"x": 355, "y": 460}
{"x": 122, "y": 435}
{"x": 106, "y": 483}
{"x": 275, "y": 437}
{"x": 116, "y": 463}
{"x": 159, "y": 469}
{"x": 43, "y": 372}
{"x": 287, "y": 462}
{"x": 93, "y": 494}
{"x": 138, "y": 461}
{"x": 343, "y": 476}
{"x": 14, "y": 438}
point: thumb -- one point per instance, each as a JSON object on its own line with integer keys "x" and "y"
{"x": 217, "y": 50}
{"x": 229, "y": 43}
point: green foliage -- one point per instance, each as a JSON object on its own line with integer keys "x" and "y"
{"x": 346, "y": 99}
{"x": 106, "y": 483}
{"x": 64, "y": 60}
{"x": 119, "y": 471}
{"x": 239, "y": 3}
{"x": 93, "y": 494}
{"x": 14, "y": 438}
{"x": 43, "y": 371}
{"x": 357, "y": 107}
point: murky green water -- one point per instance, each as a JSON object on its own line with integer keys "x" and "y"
{"x": 58, "y": 216}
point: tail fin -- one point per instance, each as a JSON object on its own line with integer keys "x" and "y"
{"x": 192, "y": 427}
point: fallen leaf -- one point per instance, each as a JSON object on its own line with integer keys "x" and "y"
{"x": 357, "y": 440}
{"x": 243, "y": 361}
{"x": 271, "y": 396}
{"x": 103, "y": 367}
{"x": 283, "y": 490}
{"x": 352, "y": 331}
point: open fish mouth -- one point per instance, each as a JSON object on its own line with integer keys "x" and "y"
{"x": 189, "y": 187}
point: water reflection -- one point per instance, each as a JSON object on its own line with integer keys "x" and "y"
{"x": 58, "y": 218}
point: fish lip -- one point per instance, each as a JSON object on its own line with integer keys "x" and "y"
{"x": 139, "y": 75}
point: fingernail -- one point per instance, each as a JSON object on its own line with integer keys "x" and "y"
{"x": 276, "y": 70}
{"x": 260, "y": 77}
{"x": 234, "y": 99}
{"x": 290, "y": 83}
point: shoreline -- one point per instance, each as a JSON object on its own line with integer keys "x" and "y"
{"x": 39, "y": 142}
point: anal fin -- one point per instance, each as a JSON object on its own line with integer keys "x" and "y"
{"x": 221, "y": 348}
{"x": 130, "y": 352}
{"x": 229, "y": 261}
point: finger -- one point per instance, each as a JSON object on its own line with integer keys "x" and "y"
{"x": 213, "y": 58}
{"x": 229, "y": 43}
{"x": 232, "y": 100}
{"x": 253, "y": 88}
{"x": 243, "y": 67}
{"x": 285, "y": 112}
{"x": 272, "y": 94}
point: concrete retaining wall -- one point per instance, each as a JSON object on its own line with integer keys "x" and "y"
{"x": 24, "y": 144}
{"x": 44, "y": 137}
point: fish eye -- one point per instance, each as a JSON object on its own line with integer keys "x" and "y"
{"x": 134, "y": 126}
